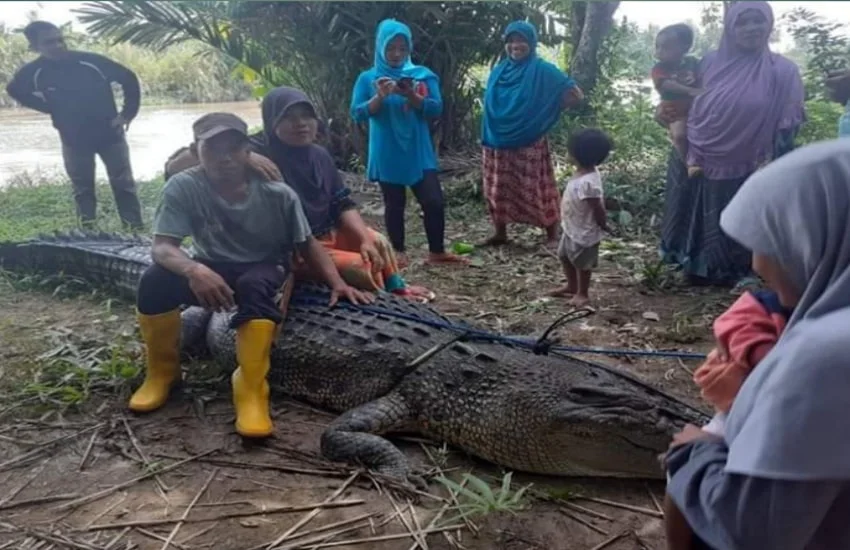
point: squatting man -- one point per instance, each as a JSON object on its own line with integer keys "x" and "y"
{"x": 243, "y": 230}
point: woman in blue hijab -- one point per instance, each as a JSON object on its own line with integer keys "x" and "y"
{"x": 398, "y": 98}
{"x": 524, "y": 98}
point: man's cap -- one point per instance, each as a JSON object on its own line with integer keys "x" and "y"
{"x": 212, "y": 124}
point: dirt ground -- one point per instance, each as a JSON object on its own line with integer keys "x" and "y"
{"x": 77, "y": 471}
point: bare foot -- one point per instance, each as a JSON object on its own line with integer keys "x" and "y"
{"x": 552, "y": 244}
{"x": 561, "y": 292}
{"x": 552, "y": 235}
{"x": 495, "y": 240}
{"x": 416, "y": 293}
{"x": 401, "y": 260}
{"x": 580, "y": 301}
{"x": 446, "y": 258}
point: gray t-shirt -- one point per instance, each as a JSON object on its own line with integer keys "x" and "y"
{"x": 265, "y": 227}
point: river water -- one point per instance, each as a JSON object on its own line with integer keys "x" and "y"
{"x": 29, "y": 143}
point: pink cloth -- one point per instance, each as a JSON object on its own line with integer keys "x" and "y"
{"x": 745, "y": 334}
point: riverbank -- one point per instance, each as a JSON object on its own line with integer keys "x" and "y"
{"x": 31, "y": 207}
{"x": 30, "y": 148}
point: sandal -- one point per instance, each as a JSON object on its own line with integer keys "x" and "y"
{"x": 495, "y": 240}
{"x": 446, "y": 258}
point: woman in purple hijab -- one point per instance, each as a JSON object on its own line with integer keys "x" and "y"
{"x": 748, "y": 115}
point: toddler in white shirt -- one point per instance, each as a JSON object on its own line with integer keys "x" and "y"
{"x": 583, "y": 216}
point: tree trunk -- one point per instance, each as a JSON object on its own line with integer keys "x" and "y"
{"x": 590, "y": 23}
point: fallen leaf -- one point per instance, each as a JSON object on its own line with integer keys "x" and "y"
{"x": 249, "y": 522}
{"x": 651, "y": 316}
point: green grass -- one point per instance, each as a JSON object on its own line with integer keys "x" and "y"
{"x": 29, "y": 208}
{"x": 480, "y": 499}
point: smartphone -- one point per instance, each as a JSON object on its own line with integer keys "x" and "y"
{"x": 405, "y": 83}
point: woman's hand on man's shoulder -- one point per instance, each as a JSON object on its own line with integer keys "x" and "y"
{"x": 264, "y": 167}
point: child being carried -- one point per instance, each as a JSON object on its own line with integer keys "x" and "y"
{"x": 675, "y": 78}
{"x": 745, "y": 334}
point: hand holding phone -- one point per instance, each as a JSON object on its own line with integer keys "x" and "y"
{"x": 405, "y": 84}
{"x": 385, "y": 86}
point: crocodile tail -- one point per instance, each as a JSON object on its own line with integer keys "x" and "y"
{"x": 97, "y": 258}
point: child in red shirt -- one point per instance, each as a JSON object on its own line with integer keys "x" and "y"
{"x": 745, "y": 334}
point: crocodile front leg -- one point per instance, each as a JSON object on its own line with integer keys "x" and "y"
{"x": 353, "y": 437}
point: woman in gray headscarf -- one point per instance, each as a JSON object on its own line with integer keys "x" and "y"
{"x": 780, "y": 477}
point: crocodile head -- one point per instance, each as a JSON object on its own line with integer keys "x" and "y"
{"x": 609, "y": 432}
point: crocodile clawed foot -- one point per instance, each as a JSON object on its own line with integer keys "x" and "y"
{"x": 417, "y": 481}
{"x": 406, "y": 484}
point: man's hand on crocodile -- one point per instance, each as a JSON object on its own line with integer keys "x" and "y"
{"x": 317, "y": 257}
{"x": 210, "y": 289}
{"x": 351, "y": 294}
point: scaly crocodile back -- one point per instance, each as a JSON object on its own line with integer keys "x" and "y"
{"x": 107, "y": 259}
{"x": 492, "y": 398}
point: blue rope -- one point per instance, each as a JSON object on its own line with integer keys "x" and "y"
{"x": 527, "y": 343}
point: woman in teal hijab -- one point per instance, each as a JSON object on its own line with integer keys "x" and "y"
{"x": 524, "y": 99}
{"x": 398, "y": 98}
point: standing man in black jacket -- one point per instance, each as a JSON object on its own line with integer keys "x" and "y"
{"x": 75, "y": 89}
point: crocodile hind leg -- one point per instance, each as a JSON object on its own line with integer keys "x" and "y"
{"x": 354, "y": 437}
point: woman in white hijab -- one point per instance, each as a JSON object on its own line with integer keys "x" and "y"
{"x": 780, "y": 477}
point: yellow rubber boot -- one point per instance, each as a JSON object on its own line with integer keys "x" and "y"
{"x": 250, "y": 387}
{"x": 161, "y": 335}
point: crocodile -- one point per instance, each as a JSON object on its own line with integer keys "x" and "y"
{"x": 486, "y": 395}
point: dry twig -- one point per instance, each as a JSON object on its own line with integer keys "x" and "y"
{"x": 14, "y": 461}
{"x": 382, "y": 538}
{"x": 267, "y": 466}
{"x": 261, "y": 512}
{"x": 36, "y": 501}
{"x": 622, "y": 506}
{"x": 145, "y": 460}
{"x": 106, "y": 492}
{"x": 88, "y": 450}
{"x": 117, "y": 538}
{"x": 188, "y": 509}
{"x": 654, "y": 500}
{"x": 452, "y": 496}
{"x": 307, "y": 518}
{"x": 610, "y": 541}
{"x": 438, "y": 515}
{"x": 329, "y": 527}
{"x": 584, "y": 522}
{"x": 588, "y": 511}
{"x": 24, "y": 485}
{"x": 158, "y": 537}
{"x": 414, "y": 534}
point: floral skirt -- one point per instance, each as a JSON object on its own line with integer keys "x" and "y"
{"x": 519, "y": 185}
